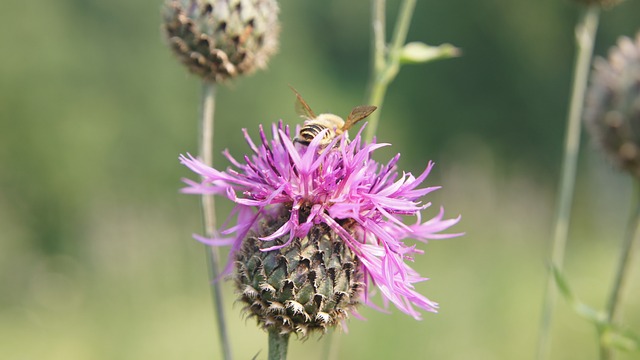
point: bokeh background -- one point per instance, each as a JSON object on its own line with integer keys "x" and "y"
{"x": 96, "y": 255}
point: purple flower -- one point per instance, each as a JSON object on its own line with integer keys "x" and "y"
{"x": 360, "y": 200}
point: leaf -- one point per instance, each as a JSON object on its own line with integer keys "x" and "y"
{"x": 585, "y": 311}
{"x": 562, "y": 283}
{"x": 620, "y": 339}
{"x": 418, "y": 52}
{"x": 612, "y": 335}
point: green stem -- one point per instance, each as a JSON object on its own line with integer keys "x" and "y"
{"x": 278, "y": 344}
{"x": 378, "y": 22}
{"x": 585, "y": 37}
{"x": 331, "y": 345}
{"x": 386, "y": 67}
{"x": 208, "y": 211}
{"x": 626, "y": 255}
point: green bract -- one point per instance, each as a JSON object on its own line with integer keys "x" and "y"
{"x": 309, "y": 285}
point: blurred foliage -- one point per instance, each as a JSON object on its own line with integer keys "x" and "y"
{"x": 96, "y": 260}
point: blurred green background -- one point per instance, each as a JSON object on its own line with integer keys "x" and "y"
{"x": 96, "y": 255}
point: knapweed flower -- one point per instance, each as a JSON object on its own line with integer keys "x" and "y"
{"x": 221, "y": 39}
{"x": 612, "y": 111}
{"x": 316, "y": 230}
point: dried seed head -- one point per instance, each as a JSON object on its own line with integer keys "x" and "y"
{"x": 221, "y": 39}
{"x": 612, "y": 109}
{"x": 309, "y": 285}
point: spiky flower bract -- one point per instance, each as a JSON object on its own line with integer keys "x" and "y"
{"x": 613, "y": 104}
{"x": 221, "y": 39}
{"x": 315, "y": 230}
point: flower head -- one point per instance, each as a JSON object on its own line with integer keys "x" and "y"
{"x": 221, "y": 39}
{"x": 331, "y": 219}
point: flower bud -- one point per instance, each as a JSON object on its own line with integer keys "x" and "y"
{"x": 612, "y": 111}
{"x": 221, "y": 39}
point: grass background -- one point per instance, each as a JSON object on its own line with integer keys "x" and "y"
{"x": 96, "y": 259}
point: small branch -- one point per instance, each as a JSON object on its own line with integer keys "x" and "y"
{"x": 209, "y": 214}
{"x": 627, "y": 252}
{"x": 585, "y": 38}
{"x": 401, "y": 30}
{"x": 382, "y": 75}
{"x": 378, "y": 21}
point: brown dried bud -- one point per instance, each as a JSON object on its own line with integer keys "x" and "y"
{"x": 221, "y": 39}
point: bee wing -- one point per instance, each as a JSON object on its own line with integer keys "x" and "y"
{"x": 358, "y": 113}
{"x": 302, "y": 108}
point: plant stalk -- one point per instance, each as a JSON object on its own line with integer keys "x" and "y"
{"x": 585, "y": 38}
{"x": 208, "y": 212}
{"x": 378, "y": 45}
{"x": 331, "y": 345}
{"x": 385, "y": 65}
{"x": 627, "y": 251}
{"x": 278, "y": 345}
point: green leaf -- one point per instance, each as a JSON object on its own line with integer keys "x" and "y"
{"x": 621, "y": 340}
{"x": 562, "y": 283}
{"x": 585, "y": 311}
{"x": 418, "y": 52}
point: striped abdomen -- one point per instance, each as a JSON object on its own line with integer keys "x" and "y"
{"x": 310, "y": 130}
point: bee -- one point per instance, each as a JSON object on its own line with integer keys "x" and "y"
{"x": 314, "y": 124}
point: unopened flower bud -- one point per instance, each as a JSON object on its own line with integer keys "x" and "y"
{"x": 612, "y": 109}
{"x": 221, "y": 39}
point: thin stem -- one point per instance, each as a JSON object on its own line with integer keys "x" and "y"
{"x": 376, "y": 97}
{"x": 378, "y": 21}
{"x": 382, "y": 75}
{"x": 209, "y": 214}
{"x": 604, "y": 352}
{"x": 626, "y": 255}
{"x": 278, "y": 345}
{"x": 625, "y": 258}
{"x": 331, "y": 345}
{"x": 585, "y": 37}
{"x": 401, "y": 29}
{"x": 376, "y": 87}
